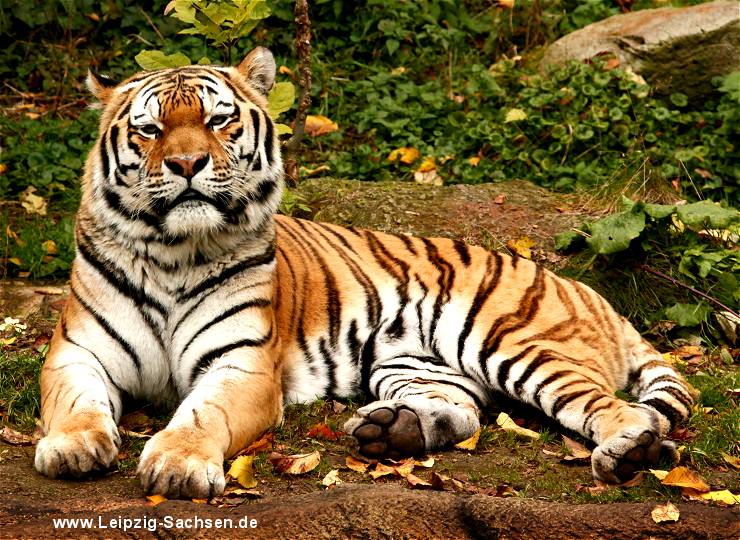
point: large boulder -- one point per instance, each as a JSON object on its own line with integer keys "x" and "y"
{"x": 674, "y": 49}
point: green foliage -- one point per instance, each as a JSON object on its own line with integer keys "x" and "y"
{"x": 693, "y": 241}
{"x": 19, "y": 389}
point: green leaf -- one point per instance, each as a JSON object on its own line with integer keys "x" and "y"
{"x": 659, "y": 211}
{"x": 679, "y": 99}
{"x": 280, "y": 98}
{"x": 567, "y": 239}
{"x": 283, "y": 129}
{"x": 151, "y": 60}
{"x": 614, "y": 233}
{"x": 688, "y": 314}
{"x": 704, "y": 214}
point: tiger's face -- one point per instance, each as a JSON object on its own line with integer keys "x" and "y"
{"x": 189, "y": 150}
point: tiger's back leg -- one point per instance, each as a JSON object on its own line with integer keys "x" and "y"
{"x": 422, "y": 406}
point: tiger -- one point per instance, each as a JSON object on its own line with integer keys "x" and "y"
{"x": 190, "y": 291}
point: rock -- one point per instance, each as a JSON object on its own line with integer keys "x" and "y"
{"x": 674, "y": 49}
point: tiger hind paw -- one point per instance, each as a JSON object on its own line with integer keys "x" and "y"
{"x": 385, "y": 429}
{"x": 620, "y": 458}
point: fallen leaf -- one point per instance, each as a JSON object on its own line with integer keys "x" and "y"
{"x": 305, "y": 171}
{"x": 665, "y": 512}
{"x": 242, "y": 471}
{"x": 578, "y": 452}
{"x": 417, "y": 483}
{"x": 338, "y": 407}
{"x": 48, "y": 291}
{"x": 659, "y": 474}
{"x": 200, "y": 501}
{"x": 426, "y": 463}
{"x": 322, "y": 431}
{"x": 319, "y": 125}
{"x": 508, "y": 4}
{"x": 3, "y": 168}
{"x": 381, "y": 470}
{"x": 521, "y": 246}
{"x": 732, "y": 460}
{"x": 500, "y": 199}
{"x": 474, "y": 161}
{"x": 262, "y": 444}
{"x": 295, "y": 464}
{"x": 134, "y": 434}
{"x": 507, "y": 424}
{"x": 405, "y": 467}
{"x": 471, "y": 443}
{"x": 16, "y": 438}
{"x": 723, "y": 497}
{"x": 156, "y": 499}
{"x": 683, "y": 477}
{"x": 50, "y": 247}
{"x": 427, "y": 165}
{"x": 356, "y": 465}
{"x": 135, "y": 421}
{"x": 515, "y": 115}
{"x": 442, "y": 482}
{"x": 285, "y": 70}
{"x": 404, "y": 154}
{"x": 33, "y": 203}
{"x": 331, "y": 479}
{"x": 430, "y": 178}
{"x": 241, "y": 492}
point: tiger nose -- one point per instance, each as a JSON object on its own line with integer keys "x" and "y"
{"x": 187, "y": 166}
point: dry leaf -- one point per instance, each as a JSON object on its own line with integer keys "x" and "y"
{"x": 33, "y": 203}
{"x": 427, "y": 463}
{"x": 471, "y": 443}
{"x": 295, "y": 464}
{"x": 16, "y": 438}
{"x": 200, "y": 501}
{"x": 442, "y": 482}
{"x": 338, "y": 407}
{"x": 262, "y": 444}
{"x": 732, "y": 460}
{"x": 356, "y": 464}
{"x": 474, "y": 161}
{"x": 427, "y": 165}
{"x": 285, "y": 70}
{"x": 156, "y": 499}
{"x": 244, "y": 493}
{"x": 508, "y": 4}
{"x": 305, "y": 171}
{"x": 578, "y": 452}
{"x": 322, "y": 431}
{"x": 405, "y": 468}
{"x": 417, "y": 483}
{"x": 331, "y": 479}
{"x": 500, "y": 199}
{"x": 659, "y": 474}
{"x": 242, "y": 471}
{"x": 725, "y": 497}
{"x": 319, "y": 125}
{"x": 521, "y": 246}
{"x": 3, "y": 168}
{"x": 430, "y": 178}
{"x": 507, "y": 424}
{"x": 665, "y": 512}
{"x": 685, "y": 478}
{"x": 50, "y": 247}
{"x": 382, "y": 470}
{"x": 404, "y": 154}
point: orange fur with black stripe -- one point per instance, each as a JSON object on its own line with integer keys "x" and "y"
{"x": 188, "y": 290}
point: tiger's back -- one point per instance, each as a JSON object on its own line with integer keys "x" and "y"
{"x": 187, "y": 289}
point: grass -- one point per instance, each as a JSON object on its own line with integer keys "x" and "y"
{"x": 19, "y": 389}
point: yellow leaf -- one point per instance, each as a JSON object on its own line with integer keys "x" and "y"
{"x": 200, "y": 501}
{"x": 576, "y": 449}
{"x": 10, "y": 233}
{"x": 507, "y": 424}
{"x": 508, "y": 4}
{"x": 659, "y": 474}
{"x": 8, "y": 341}
{"x": 33, "y": 203}
{"x": 404, "y": 154}
{"x": 285, "y": 70}
{"x": 471, "y": 443}
{"x": 405, "y": 468}
{"x": 732, "y": 460}
{"x": 474, "y": 161}
{"x": 356, "y": 465}
{"x": 242, "y": 471}
{"x": 417, "y": 483}
{"x": 319, "y": 125}
{"x": 296, "y": 464}
{"x": 723, "y": 497}
{"x": 671, "y": 358}
{"x": 280, "y": 99}
{"x": 515, "y": 115}
{"x": 382, "y": 470}
{"x": 665, "y": 512}
{"x": 398, "y": 71}
{"x": 426, "y": 463}
{"x": 16, "y": 261}
{"x": 156, "y": 499}
{"x": 3, "y": 168}
{"x": 50, "y": 246}
{"x": 305, "y": 171}
{"x": 283, "y": 129}
{"x": 331, "y": 479}
{"x": 521, "y": 246}
{"x": 427, "y": 165}
{"x": 683, "y": 477}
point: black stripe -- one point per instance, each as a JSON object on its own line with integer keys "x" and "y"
{"x": 445, "y": 281}
{"x": 563, "y": 400}
{"x": 125, "y": 345}
{"x": 256, "y": 164}
{"x": 330, "y": 390}
{"x": 259, "y": 302}
{"x": 367, "y": 359}
{"x": 462, "y": 251}
{"x": 505, "y": 367}
{"x": 537, "y": 396}
{"x": 207, "y": 359}
{"x": 114, "y": 203}
{"x": 485, "y": 288}
{"x": 263, "y": 258}
{"x": 104, "y": 156}
{"x": 268, "y": 140}
{"x": 666, "y": 409}
{"x": 542, "y": 358}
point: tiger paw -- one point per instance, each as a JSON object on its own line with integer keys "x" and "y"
{"x": 85, "y": 443}
{"x": 175, "y": 465}
{"x": 385, "y": 429}
{"x": 620, "y": 458}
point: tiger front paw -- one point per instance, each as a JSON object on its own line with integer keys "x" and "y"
{"x": 620, "y": 458}
{"x": 177, "y": 465}
{"x": 384, "y": 429}
{"x": 86, "y": 442}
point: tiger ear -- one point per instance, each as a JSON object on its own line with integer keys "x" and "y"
{"x": 100, "y": 86}
{"x": 259, "y": 69}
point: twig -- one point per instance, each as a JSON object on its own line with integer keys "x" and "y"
{"x": 687, "y": 287}
{"x": 303, "y": 49}
{"x": 151, "y": 23}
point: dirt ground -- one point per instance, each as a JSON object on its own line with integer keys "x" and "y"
{"x": 545, "y": 495}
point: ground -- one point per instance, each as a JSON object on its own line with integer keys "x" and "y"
{"x": 508, "y": 486}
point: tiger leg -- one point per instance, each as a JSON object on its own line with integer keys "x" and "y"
{"x": 422, "y": 407}
{"x": 186, "y": 458}
{"x": 80, "y": 406}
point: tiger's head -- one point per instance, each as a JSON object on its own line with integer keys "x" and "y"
{"x": 187, "y": 151}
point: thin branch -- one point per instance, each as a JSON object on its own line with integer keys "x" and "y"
{"x": 303, "y": 49}
{"x": 687, "y": 287}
